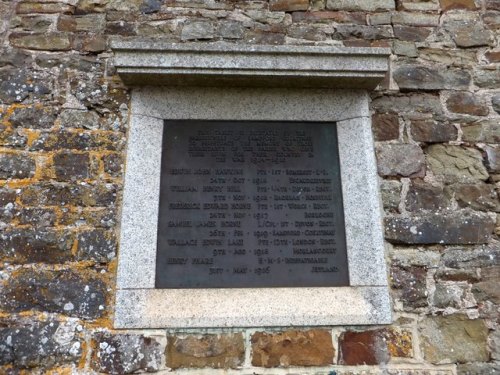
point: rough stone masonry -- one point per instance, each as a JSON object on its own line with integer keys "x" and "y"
{"x": 63, "y": 123}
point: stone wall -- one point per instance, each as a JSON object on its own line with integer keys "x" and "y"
{"x": 63, "y": 122}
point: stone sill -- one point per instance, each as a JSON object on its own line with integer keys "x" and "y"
{"x": 142, "y": 61}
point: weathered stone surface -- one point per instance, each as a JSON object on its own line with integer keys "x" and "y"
{"x": 292, "y": 348}
{"x": 120, "y": 28}
{"x": 454, "y": 228}
{"x": 482, "y": 197}
{"x": 410, "y": 285}
{"x": 487, "y": 289}
{"x": 38, "y": 217}
{"x": 77, "y": 140}
{"x": 493, "y": 4}
{"x": 97, "y": 245}
{"x": 372, "y": 5}
{"x": 468, "y": 33}
{"x": 21, "y": 85}
{"x": 150, "y": 6}
{"x": 495, "y": 345}
{"x": 449, "y": 295}
{"x": 415, "y": 19}
{"x": 485, "y": 256}
{"x": 411, "y": 33}
{"x": 391, "y": 194}
{"x": 425, "y": 103}
{"x": 43, "y": 7}
{"x": 231, "y": 30}
{"x": 16, "y": 166}
{"x": 385, "y": 126}
{"x": 75, "y": 294}
{"x": 422, "y": 196}
{"x": 125, "y": 353}
{"x": 46, "y": 42}
{"x": 452, "y": 57}
{"x": 483, "y": 131}
{"x": 404, "y": 48}
{"x": 431, "y": 131}
{"x": 35, "y": 117}
{"x": 400, "y": 160}
{"x": 453, "y": 339}
{"x": 70, "y": 166}
{"x": 288, "y": 5}
{"x": 28, "y": 344}
{"x": 467, "y": 103}
{"x": 478, "y": 369}
{"x": 373, "y": 347}
{"x": 457, "y": 275}
{"x": 113, "y": 164}
{"x": 198, "y": 30}
{"x": 492, "y": 158}
{"x": 88, "y": 195}
{"x": 91, "y": 22}
{"x": 216, "y": 351}
{"x": 456, "y": 164}
{"x": 72, "y": 118}
{"x": 457, "y": 4}
{"x": 487, "y": 78}
{"x": 418, "y": 77}
{"x": 495, "y": 103}
{"x": 364, "y": 32}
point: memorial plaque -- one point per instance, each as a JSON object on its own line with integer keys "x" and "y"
{"x": 250, "y": 204}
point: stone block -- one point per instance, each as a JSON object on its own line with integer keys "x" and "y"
{"x": 466, "y": 258}
{"x": 400, "y": 160}
{"x": 374, "y": 347}
{"x": 97, "y": 245}
{"x": 456, "y": 163}
{"x": 38, "y": 345}
{"x": 37, "y": 217}
{"x": 483, "y": 131}
{"x": 492, "y": 158}
{"x": 27, "y": 7}
{"x": 468, "y": 33}
{"x": 385, "y": 126}
{"x": 411, "y": 33}
{"x": 487, "y": 289}
{"x": 363, "y": 5}
{"x": 391, "y": 194}
{"x": 418, "y": 77}
{"x": 454, "y": 338}
{"x": 411, "y": 103}
{"x": 466, "y": 103}
{"x": 292, "y": 348}
{"x": 94, "y": 23}
{"x": 113, "y": 164}
{"x": 33, "y": 117}
{"x": 223, "y": 351}
{"x": 457, "y": 4}
{"x": 461, "y": 227}
{"x": 422, "y": 196}
{"x": 125, "y": 353}
{"x": 449, "y": 295}
{"x": 479, "y": 196}
{"x": 16, "y": 166}
{"x": 478, "y": 369}
{"x": 27, "y": 245}
{"x": 495, "y": 103}
{"x": 77, "y": 294}
{"x": 493, "y": 4}
{"x": 77, "y": 140}
{"x": 364, "y": 32}
{"x": 410, "y": 285}
{"x": 198, "y": 30}
{"x": 431, "y": 131}
{"x": 487, "y": 77}
{"x": 121, "y": 28}
{"x": 88, "y": 195}
{"x": 288, "y": 5}
{"x": 73, "y": 118}
{"x": 71, "y": 166}
{"x": 46, "y": 41}
{"x": 415, "y": 19}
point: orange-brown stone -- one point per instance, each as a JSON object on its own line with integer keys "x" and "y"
{"x": 374, "y": 347}
{"x": 457, "y": 4}
{"x": 288, "y": 5}
{"x": 292, "y": 348}
{"x": 216, "y": 351}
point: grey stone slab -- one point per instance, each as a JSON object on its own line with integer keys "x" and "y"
{"x": 267, "y": 307}
{"x": 178, "y": 103}
{"x": 362, "y": 207}
{"x": 141, "y": 195}
{"x": 141, "y": 61}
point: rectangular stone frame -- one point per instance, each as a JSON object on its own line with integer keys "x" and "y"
{"x": 140, "y": 305}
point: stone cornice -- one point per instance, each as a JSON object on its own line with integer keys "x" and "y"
{"x": 142, "y": 61}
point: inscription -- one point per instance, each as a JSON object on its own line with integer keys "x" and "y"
{"x": 250, "y": 204}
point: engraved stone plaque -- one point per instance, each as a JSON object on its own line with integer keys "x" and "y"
{"x": 250, "y": 204}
